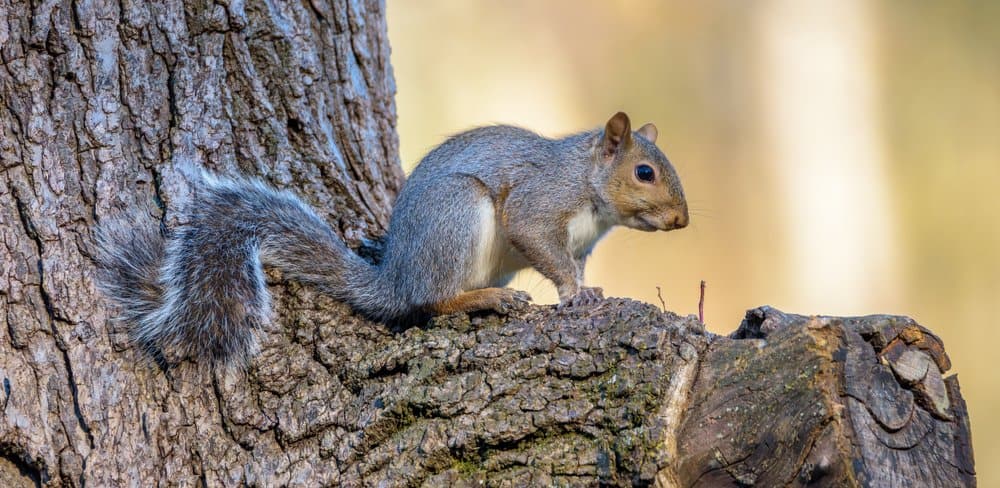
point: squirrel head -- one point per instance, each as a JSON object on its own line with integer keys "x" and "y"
{"x": 638, "y": 181}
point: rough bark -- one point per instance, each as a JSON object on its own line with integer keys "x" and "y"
{"x": 107, "y": 107}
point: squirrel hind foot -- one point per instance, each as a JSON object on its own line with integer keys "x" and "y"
{"x": 501, "y": 300}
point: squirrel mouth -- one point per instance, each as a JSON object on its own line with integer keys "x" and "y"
{"x": 645, "y": 224}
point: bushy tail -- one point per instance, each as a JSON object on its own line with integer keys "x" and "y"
{"x": 128, "y": 268}
{"x": 200, "y": 291}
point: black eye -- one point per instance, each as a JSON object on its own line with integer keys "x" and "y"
{"x": 645, "y": 173}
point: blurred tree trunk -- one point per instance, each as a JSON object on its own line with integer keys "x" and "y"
{"x": 106, "y": 107}
{"x": 820, "y": 104}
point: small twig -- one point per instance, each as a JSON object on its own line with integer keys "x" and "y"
{"x": 701, "y": 304}
{"x": 663, "y": 304}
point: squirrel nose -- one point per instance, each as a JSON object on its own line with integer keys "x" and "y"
{"x": 677, "y": 218}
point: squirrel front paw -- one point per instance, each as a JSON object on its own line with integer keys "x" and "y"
{"x": 512, "y": 301}
{"x": 588, "y": 295}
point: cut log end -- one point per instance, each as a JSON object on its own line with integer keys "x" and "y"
{"x": 835, "y": 401}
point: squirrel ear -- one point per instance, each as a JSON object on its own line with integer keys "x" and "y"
{"x": 649, "y": 132}
{"x": 617, "y": 134}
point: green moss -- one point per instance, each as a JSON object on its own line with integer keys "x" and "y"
{"x": 466, "y": 468}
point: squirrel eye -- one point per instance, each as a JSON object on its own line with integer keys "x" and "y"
{"x": 645, "y": 173}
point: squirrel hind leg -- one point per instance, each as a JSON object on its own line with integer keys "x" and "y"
{"x": 500, "y": 300}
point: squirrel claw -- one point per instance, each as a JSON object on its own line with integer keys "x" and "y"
{"x": 585, "y": 297}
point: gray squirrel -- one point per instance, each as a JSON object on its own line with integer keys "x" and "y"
{"x": 479, "y": 207}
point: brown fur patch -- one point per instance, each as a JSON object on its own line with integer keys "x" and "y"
{"x": 471, "y": 301}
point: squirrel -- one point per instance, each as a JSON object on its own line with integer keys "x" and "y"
{"x": 479, "y": 207}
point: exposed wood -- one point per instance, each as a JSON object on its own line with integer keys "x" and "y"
{"x": 106, "y": 108}
{"x": 814, "y": 400}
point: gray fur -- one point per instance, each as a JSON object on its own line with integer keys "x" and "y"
{"x": 200, "y": 291}
{"x": 128, "y": 260}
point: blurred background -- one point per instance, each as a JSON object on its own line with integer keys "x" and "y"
{"x": 839, "y": 156}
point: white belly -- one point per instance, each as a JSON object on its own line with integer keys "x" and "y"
{"x": 494, "y": 258}
{"x": 584, "y": 230}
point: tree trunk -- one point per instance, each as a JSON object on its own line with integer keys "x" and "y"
{"x": 106, "y": 109}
